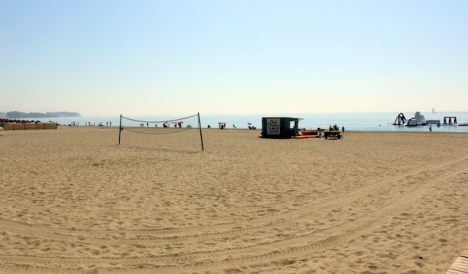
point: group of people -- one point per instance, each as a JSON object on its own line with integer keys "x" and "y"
{"x": 176, "y": 124}
{"x": 335, "y": 127}
{"x": 223, "y": 126}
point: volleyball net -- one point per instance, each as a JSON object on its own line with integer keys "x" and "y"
{"x": 169, "y": 128}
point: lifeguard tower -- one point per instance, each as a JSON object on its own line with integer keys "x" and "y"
{"x": 280, "y": 127}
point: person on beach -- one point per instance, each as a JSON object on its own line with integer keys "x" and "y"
{"x": 430, "y": 127}
{"x": 342, "y": 129}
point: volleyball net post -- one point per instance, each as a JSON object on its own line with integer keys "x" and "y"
{"x": 120, "y": 127}
{"x": 201, "y": 135}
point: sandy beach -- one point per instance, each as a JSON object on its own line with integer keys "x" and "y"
{"x": 73, "y": 201}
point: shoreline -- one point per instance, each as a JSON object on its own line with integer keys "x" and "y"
{"x": 259, "y": 130}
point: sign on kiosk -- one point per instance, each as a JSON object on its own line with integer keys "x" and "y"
{"x": 273, "y": 126}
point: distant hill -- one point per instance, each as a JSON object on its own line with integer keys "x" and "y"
{"x": 17, "y": 114}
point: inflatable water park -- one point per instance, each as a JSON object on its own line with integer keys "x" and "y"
{"x": 419, "y": 120}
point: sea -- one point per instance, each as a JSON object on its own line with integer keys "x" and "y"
{"x": 368, "y": 121}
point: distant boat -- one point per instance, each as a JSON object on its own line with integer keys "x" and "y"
{"x": 433, "y": 110}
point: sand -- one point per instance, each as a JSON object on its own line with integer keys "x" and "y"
{"x": 73, "y": 201}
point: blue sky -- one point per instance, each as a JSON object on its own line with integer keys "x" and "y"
{"x": 226, "y": 57}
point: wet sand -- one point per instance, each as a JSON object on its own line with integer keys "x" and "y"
{"x": 73, "y": 201}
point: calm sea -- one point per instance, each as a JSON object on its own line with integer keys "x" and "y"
{"x": 378, "y": 121}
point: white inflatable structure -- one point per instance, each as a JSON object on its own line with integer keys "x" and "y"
{"x": 419, "y": 120}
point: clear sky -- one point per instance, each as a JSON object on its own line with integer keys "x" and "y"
{"x": 225, "y": 57}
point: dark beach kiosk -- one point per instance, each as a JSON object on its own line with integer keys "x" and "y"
{"x": 280, "y": 127}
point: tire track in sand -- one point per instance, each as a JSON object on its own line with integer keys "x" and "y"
{"x": 234, "y": 257}
{"x": 169, "y": 234}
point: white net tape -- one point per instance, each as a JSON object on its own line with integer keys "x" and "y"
{"x": 153, "y": 127}
{"x": 158, "y": 122}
